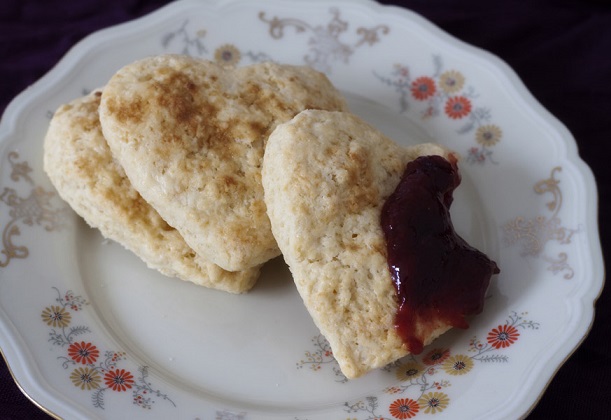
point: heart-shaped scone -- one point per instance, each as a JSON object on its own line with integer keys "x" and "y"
{"x": 326, "y": 177}
{"x": 81, "y": 167}
{"x": 191, "y": 135}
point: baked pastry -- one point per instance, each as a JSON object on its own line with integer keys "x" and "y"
{"x": 191, "y": 134}
{"x": 85, "y": 174}
{"x": 326, "y": 177}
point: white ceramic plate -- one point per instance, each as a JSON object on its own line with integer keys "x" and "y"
{"x": 153, "y": 347}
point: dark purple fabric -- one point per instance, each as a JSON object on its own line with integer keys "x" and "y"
{"x": 560, "y": 49}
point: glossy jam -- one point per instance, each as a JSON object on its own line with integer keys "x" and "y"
{"x": 440, "y": 279}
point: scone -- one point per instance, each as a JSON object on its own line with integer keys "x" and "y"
{"x": 326, "y": 177}
{"x": 191, "y": 134}
{"x": 81, "y": 167}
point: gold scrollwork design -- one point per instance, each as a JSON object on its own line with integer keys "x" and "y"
{"x": 324, "y": 44}
{"x": 19, "y": 169}
{"x": 38, "y": 208}
{"x": 533, "y": 234}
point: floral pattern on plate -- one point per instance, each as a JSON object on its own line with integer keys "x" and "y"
{"x": 325, "y": 46}
{"x": 92, "y": 369}
{"x": 194, "y": 45}
{"x": 423, "y": 379}
{"x": 320, "y": 356}
{"x": 445, "y": 93}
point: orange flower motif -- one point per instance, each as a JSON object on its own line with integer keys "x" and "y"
{"x": 423, "y": 88}
{"x": 404, "y": 408}
{"x": 85, "y": 353}
{"x": 436, "y": 356}
{"x": 457, "y": 107}
{"x": 119, "y": 379}
{"x": 503, "y": 336}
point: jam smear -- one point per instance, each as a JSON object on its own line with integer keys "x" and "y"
{"x": 439, "y": 278}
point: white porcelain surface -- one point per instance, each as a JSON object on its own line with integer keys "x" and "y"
{"x": 187, "y": 352}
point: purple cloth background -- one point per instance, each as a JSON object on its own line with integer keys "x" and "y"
{"x": 560, "y": 49}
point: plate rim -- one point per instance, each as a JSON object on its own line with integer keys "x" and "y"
{"x": 588, "y": 300}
